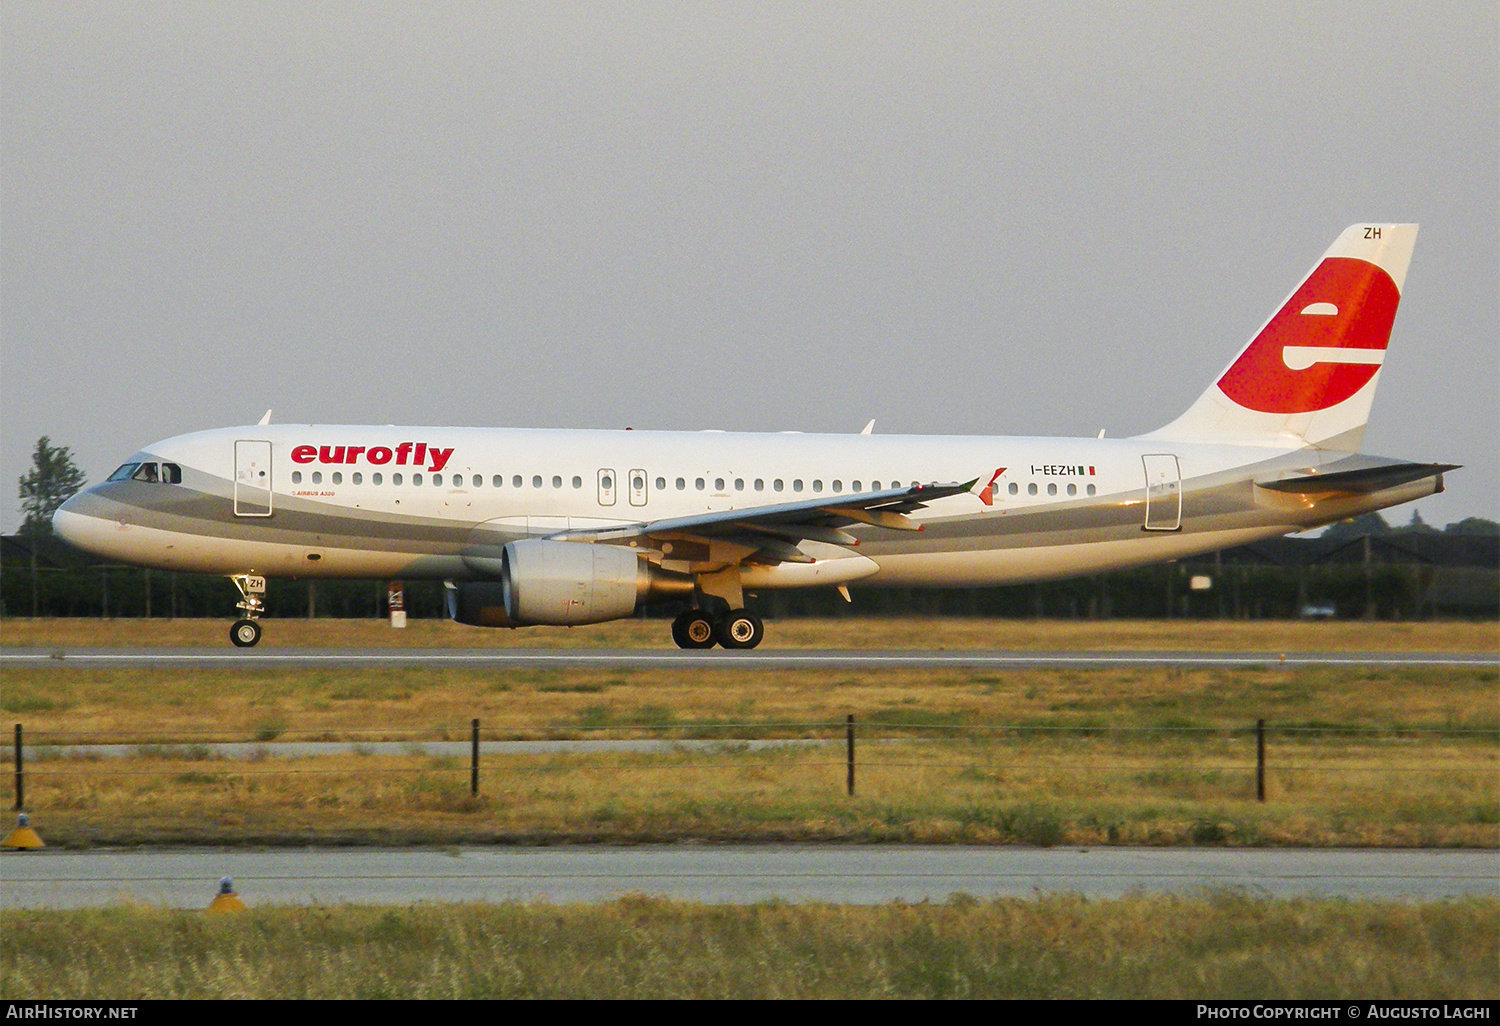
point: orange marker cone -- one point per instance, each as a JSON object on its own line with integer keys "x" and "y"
{"x": 22, "y": 837}
{"x": 226, "y": 900}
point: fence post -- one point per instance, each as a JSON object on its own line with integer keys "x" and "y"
{"x": 849, "y": 734}
{"x": 20, "y": 773}
{"x": 1260, "y": 760}
{"x": 474, "y": 757}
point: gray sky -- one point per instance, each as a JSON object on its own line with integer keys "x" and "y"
{"x": 987, "y": 219}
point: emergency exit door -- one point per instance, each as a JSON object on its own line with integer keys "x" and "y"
{"x": 252, "y": 478}
{"x": 1163, "y": 492}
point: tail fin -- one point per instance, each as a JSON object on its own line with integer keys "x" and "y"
{"x": 1308, "y": 376}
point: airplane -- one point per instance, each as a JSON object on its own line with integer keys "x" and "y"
{"x": 566, "y": 527}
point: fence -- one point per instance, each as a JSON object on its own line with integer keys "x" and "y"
{"x": 1237, "y": 756}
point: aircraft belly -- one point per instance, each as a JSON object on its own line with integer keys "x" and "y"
{"x": 1019, "y": 565}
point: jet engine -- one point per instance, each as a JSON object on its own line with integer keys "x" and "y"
{"x": 561, "y": 584}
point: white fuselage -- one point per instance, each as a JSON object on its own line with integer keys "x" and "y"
{"x": 368, "y": 501}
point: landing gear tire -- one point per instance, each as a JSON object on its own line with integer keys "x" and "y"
{"x": 741, "y": 629}
{"x": 694, "y": 629}
{"x": 244, "y": 633}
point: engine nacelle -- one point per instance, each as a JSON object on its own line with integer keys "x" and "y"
{"x": 478, "y": 604}
{"x": 565, "y": 583}
{"x": 554, "y": 583}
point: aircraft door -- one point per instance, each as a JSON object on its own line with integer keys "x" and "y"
{"x": 637, "y": 487}
{"x": 252, "y": 478}
{"x": 1163, "y": 492}
{"x": 606, "y": 487}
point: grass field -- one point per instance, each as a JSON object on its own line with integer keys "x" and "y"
{"x": 1223, "y": 946}
{"x": 1356, "y": 756}
{"x": 851, "y": 632}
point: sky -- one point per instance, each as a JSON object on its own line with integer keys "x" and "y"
{"x": 1040, "y": 219}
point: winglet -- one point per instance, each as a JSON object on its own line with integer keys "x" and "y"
{"x": 264, "y": 420}
{"x": 869, "y": 428}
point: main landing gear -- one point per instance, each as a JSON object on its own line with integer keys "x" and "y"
{"x": 738, "y": 628}
{"x": 246, "y": 630}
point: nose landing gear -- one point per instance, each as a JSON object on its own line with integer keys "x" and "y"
{"x": 246, "y": 631}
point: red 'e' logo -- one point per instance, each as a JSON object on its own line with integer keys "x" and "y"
{"x": 1324, "y": 345}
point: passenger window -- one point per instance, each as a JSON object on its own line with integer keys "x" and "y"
{"x": 718, "y": 484}
{"x": 838, "y": 486}
{"x": 1052, "y": 489}
{"x": 317, "y": 477}
{"x": 377, "y": 479}
{"x": 698, "y": 484}
{"x": 577, "y": 481}
{"x": 1014, "y": 488}
{"x": 498, "y": 481}
{"x": 739, "y": 484}
{"x": 437, "y": 479}
{"x": 296, "y": 477}
{"x": 171, "y": 473}
{"x": 638, "y": 483}
{"x": 760, "y": 484}
{"x": 338, "y": 478}
{"x": 359, "y": 478}
{"x": 395, "y": 479}
{"x": 854, "y": 486}
{"x": 797, "y": 485}
{"x": 416, "y": 479}
{"x": 661, "y": 484}
{"x": 874, "y": 486}
{"x": 536, "y": 481}
{"x": 515, "y": 482}
{"x": 556, "y": 480}
{"x": 1091, "y": 489}
{"x": 777, "y": 484}
{"x": 817, "y": 485}
{"x": 1031, "y": 488}
{"x": 1072, "y": 489}
{"x": 147, "y": 473}
{"x": 681, "y": 484}
{"x": 478, "y": 480}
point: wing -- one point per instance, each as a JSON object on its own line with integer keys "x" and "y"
{"x": 770, "y": 534}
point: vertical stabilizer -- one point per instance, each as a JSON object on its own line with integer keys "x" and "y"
{"x": 1309, "y": 375}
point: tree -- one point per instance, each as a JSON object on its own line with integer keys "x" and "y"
{"x": 1474, "y": 526}
{"x": 1417, "y": 525}
{"x": 1358, "y": 527}
{"x": 53, "y": 480}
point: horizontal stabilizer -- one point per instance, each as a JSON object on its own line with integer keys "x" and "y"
{"x": 1359, "y": 482}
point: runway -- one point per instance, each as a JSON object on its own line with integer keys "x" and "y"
{"x": 719, "y": 659}
{"x": 728, "y": 875}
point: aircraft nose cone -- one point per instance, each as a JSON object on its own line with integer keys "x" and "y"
{"x": 72, "y": 527}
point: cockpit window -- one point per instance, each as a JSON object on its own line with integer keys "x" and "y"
{"x": 168, "y": 473}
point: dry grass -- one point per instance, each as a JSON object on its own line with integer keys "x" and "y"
{"x": 1184, "y": 781}
{"x": 1038, "y": 789}
{"x": 852, "y": 632}
{"x": 1222, "y": 946}
{"x": 173, "y": 706}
